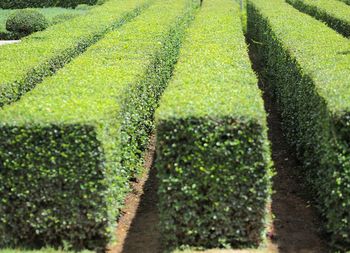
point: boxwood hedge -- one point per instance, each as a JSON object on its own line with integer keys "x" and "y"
{"x": 69, "y": 147}
{"x": 307, "y": 66}
{"x": 213, "y": 156}
{"x": 335, "y": 14}
{"x": 25, "y": 64}
{"x": 20, "y": 4}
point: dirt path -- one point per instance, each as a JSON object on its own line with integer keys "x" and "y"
{"x": 137, "y": 230}
{"x": 296, "y": 225}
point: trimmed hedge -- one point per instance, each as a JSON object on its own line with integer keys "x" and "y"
{"x": 21, "y": 4}
{"x": 307, "y": 66}
{"x": 213, "y": 156}
{"x": 335, "y": 14}
{"x": 346, "y": 1}
{"x": 40, "y": 55}
{"x": 69, "y": 147}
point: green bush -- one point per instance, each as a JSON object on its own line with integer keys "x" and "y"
{"x": 63, "y": 17}
{"x": 100, "y": 2}
{"x": 25, "y": 22}
{"x": 307, "y": 69}
{"x": 83, "y": 7}
{"x": 346, "y": 1}
{"x": 40, "y": 55}
{"x": 335, "y": 14}
{"x": 68, "y": 148}
{"x": 21, "y": 4}
{"x": 213, "y": 157}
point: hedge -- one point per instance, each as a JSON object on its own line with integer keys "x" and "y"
{"x": 213, "y": 156}
{"x": 21, "y": 4}
{"x": 307, "y": 66}
{"x": 69, "y": 147}
{"x": 335, "y": 14}
{"x": 346, "y": 1}
{"x": 40, "y": 55}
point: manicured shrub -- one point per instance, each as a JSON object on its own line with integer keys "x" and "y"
{"x": 307, "y": 66}
{"x": 69, "y": 147}
{"x": 213, "y": 157}
{"x": 334, "y": 13}
{"x": 21, "y": 4}
{"x": 25, "y": 22}
{"x": 40, "y": 55}
{"x": 63, "y": 17}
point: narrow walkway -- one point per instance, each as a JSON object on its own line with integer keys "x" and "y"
{"x": 5, "y": 42}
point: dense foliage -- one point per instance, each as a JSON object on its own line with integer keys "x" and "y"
{"x": 213, "y": 156}
{"x": 307, "y": 66}
{"x": 69, "y": 147}
{"x": 21, "y": 4}
{"x": 25, "y": 22}
{"x": 332, "y": 12}
{"x": 40, "y": 55}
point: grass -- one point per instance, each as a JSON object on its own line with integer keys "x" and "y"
{"x": 49, "y": 13}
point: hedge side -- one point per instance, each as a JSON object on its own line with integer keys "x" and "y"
{"x": 40, "y": 55}
{"x": 213, "y": 156}
{"x": 21, "y": 4}
{"x": 335, "y": 14}
{"x": 308, "y": 70}
{"x": 68, "y": 147}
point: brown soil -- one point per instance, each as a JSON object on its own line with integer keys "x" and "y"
{"x": 137, "y": 230}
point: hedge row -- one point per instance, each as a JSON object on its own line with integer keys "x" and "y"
{"x": 68, "y": 147}
{"x": 307, "y": 64}
{"x": 213, "y": 155}
{"x": 335, "y": 14}
{"x": 346, "y": 1}
{"x": 40, "y": 55}
{"x": 21, "y": 4}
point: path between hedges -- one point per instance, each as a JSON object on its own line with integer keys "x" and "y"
{"x": 296, "y": 225}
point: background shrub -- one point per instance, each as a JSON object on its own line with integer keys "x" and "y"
{"x": 63, "y": 17}
{"x": 21, "y": 4}
{"x": 25, "y": 22}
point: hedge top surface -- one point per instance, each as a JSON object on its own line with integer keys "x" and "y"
{"x": 213, "y": 77}
{"x": 17, "y": 60}
{"x": 90, "y": 88}
{"x": 334, "y": 8}
{"x": 322, "y": 53}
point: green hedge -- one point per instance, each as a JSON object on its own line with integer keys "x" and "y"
{"x": 307, "y": 66}
{"x": 68, "y": 147}
{"x": 213, "y": 156}
{"x": 335, "y": 14}
{"x": 346, "y": 1}
{"x": 40, "y": 55}
{"x": 21, "y": 4}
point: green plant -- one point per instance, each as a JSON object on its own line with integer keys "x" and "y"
{"x": 25, "y": 22}
{"x": 83, "y": 7}
{"x": 63, "y": 17}
{"x": 213, "y": 157}
{"x": 21, "y": 4}
{"x": 53, "y": 48}
{"x": 306, "y": 66}
{"x": 66, "y": 158}
{"x": 332, "y": 12}
{"x": 100, "y": 2}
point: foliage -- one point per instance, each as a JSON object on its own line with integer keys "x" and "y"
{"x": 334, "y": 13}
{"x": 25, "y": 22}
{"x": 63, "y": 17}
{"x": 309, "y": 75}
{"x": 69, "y": 147}
{"x": 213, "y": 157}
{"x": 83, "y": 7}
{"x": 40, "y": 55}
{"x": 21, "y": 4}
